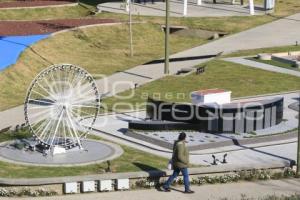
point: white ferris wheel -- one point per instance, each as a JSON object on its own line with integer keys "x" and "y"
{"x": 57, "y": 102}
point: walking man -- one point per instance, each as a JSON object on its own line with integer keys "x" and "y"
{"x": 180, "y": 161}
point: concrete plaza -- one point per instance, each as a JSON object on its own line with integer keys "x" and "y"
{"x": 258, "y": 154}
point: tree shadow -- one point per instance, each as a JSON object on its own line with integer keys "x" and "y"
{"x": 147, "y": 168}
{"x": 182, "y": 59}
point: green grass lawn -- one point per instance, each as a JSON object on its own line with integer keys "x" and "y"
{"x": 45, "y": 13}
{"x": 100, "y": 50}
{"x": 131, "y": 160}
{"x": 241, "y": 80}
{"x": 275, "y": 63}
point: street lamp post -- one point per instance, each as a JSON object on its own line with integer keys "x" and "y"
{"x": 298, "y": 151}
{"x": 130, "y": 27}
{"x": 167, "y": 32}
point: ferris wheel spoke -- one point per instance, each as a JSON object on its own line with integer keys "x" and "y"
{"x": 49, "y": 132}
{"x": 81, "y": 94}
{"x": 50, "y": 93}
{"x": 49, "y": 120}
{"x": 41, "y": 136}
{"x": 44, "y": 113}
{"x": 81, "y": 83}
{"x": 75, "y": 130}
{"x": 31, "y": 107}
{"x": 75, "y": 81}
{"x": 71, "y": 76}
{"x": 54, "y": 82}
{"x": 38, "y": 117}
{"x": 76, "y": 90}
{"x": 64, "y": 132}
{"x": 39, "y": 126}
{"x": 75, "y": 115}
{"x": 82, "y": 127}
{"x": 59, "y": 78}
{"x": 82, "y": 101}
{"x": 70, "y": 131}
{"x": 50, "y": 86}
{"x": 45, "y": 97}
{"x": 84, "y": 106}
{"x": 57, "y": 126}
{"x": 83, "y": 112}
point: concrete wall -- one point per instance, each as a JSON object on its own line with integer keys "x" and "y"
{"x": 230, "y": 118}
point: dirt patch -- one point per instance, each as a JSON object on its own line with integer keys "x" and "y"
{"x": 34, "y": 3}
{"x": 9, "y": 28}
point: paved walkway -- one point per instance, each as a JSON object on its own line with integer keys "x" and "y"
{"x": 251, "y": 63}
{"x": 268, "y": 35}
{"x": 231, "y": 191}
{"x": 207, "y": 9}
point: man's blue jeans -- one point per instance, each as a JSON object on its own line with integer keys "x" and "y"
{"x": 176, "y": 172}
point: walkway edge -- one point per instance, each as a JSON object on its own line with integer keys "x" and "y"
{"x": 132, "y": 175}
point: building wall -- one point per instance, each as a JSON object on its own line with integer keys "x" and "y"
{"x": 231, "y": 118}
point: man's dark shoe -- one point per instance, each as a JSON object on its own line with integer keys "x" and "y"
{"x": 166, "y": 189}
{"x": 189, "y": 192}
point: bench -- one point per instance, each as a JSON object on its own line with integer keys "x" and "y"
{"x": 232, "y": 1}
{"x": 200, "y": 70}
{"x": 29, "y": 144}
{"x": 185, "y": 71}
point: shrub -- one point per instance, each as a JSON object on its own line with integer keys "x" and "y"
{"x": 289, "y": 172}
{"x": 26, "y": 192}
{"x": 146, "y": 183}
{"x": 4, "y": 192}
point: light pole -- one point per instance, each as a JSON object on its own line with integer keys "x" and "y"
{"x": 167, "y": 32}
{"x": 130, "y": 28}
{"x": 298, "y": 151}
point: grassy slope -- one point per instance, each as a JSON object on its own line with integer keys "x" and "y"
{"x": 100, "y": 50}
{"x": 44, "y": 13}
{"x": 131, "y": 160}
{"x": 241, "y": 80}
{"x": 95, "y": 45}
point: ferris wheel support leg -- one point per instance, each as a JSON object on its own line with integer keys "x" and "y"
{"x": 75, "y": 132}
{"x": 57, "y": 126}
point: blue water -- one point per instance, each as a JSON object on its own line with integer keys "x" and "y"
{"x": 12, "y": 46}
